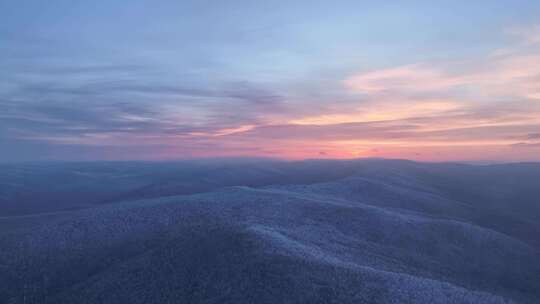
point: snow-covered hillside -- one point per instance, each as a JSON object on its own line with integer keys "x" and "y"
{"x": 362, "y": 231}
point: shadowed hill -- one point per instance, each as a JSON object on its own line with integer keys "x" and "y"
{"x": 69, "y": 186}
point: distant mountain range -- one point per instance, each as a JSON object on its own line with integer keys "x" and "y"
{"x": 267, "y": 231}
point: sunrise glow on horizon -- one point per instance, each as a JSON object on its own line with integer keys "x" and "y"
{"x": 189, "y": 79}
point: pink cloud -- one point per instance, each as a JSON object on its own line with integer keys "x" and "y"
{"x": 508, "y": 76}
{"x": 407, "y": 78}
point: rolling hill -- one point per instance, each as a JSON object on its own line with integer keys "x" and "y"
{"x": 260, "y": 231}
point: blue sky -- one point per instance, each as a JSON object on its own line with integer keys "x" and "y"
{"x": 428, "y": 80}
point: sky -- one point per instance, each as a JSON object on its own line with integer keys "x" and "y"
{"x": 164, "y": 80}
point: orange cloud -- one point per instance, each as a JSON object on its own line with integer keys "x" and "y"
{"x": 384, "y": 111}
